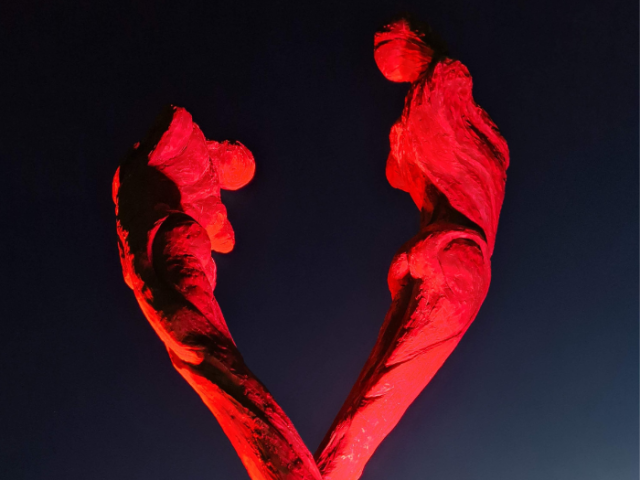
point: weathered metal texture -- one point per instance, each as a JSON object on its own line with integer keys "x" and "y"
{"x": 445, "y": 152}
{"x": 449, "y": 156}
{"x": 169, "y": 218}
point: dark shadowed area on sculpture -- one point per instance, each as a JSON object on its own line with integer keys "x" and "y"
{"x": 544, "y": 383}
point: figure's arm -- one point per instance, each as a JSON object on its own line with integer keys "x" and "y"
{"x": 169, "y": 218}
{"x": 440, "y": 278}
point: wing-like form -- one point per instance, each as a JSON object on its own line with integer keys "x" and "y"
{"x": 169, "y": 218}
{"x": 449, "y": 156}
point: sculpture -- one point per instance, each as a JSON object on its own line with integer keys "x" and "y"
{"x": 445, "y": 152}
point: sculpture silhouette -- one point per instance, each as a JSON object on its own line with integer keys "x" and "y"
{"x": 449, "y": 156}
{"x": 445, "y": 152}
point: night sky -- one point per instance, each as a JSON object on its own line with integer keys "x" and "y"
{"x": 543, "y": 386}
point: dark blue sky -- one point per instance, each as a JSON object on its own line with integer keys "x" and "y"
{"x": 543, "y": 386}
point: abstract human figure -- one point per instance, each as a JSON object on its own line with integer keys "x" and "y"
{"x": 169, "y": 218}
{"x": 445, "y": 152}
{"x": 449, "y": 156}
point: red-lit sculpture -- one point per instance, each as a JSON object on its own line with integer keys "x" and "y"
{"x": 445, "y": 152}
{"x": 449, "y": 156}
{"x": 169, "y": 218}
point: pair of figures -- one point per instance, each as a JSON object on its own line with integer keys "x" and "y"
{"x": 445, "y": 152}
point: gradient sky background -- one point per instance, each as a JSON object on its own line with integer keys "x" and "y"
{"x": 545, "y": 383}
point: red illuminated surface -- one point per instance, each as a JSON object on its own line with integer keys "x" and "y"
{"x": 445, "y": 152}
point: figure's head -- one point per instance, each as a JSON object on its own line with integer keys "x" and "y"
{"x": 175, "y": 168}
{"x": 403, "y": 51}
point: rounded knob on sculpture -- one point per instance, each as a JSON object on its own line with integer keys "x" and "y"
{"x": 234, "y": 163}
{"x": 401, "y": 53}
